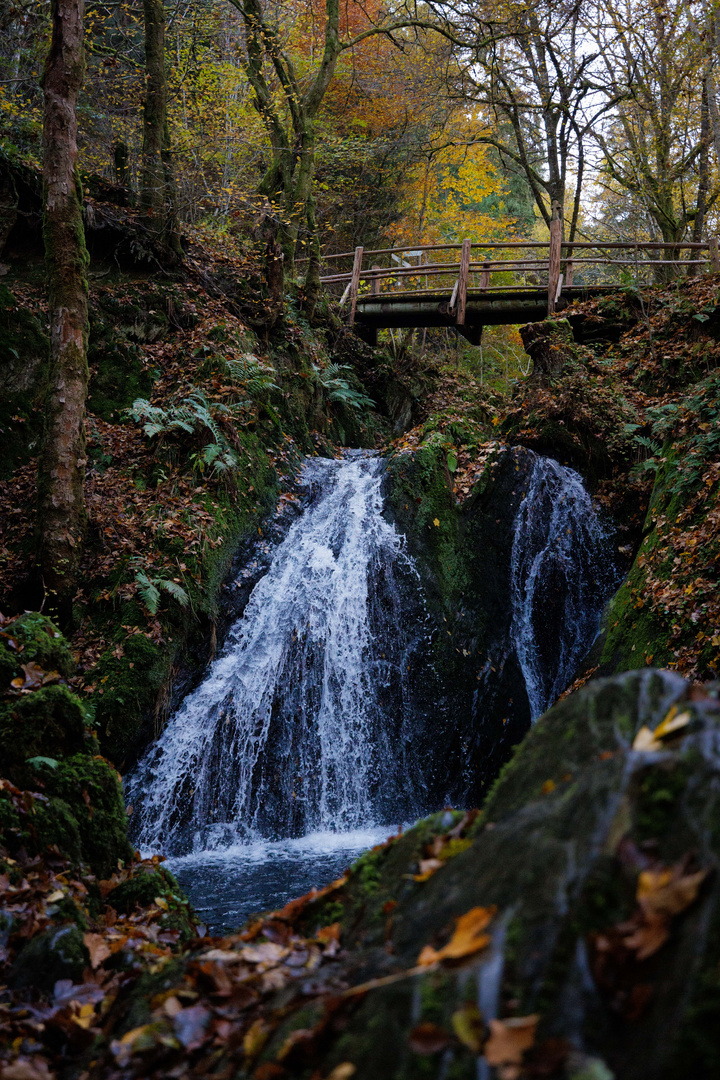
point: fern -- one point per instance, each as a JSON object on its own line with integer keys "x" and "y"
{"x": 218, "y": 455}
{"x": 255, "y": 377}
{"x": 176, "y": 591}
{"x": 194, "y": 413}
{"x": 149, "y": 590}
{"x": 338, "y": 389}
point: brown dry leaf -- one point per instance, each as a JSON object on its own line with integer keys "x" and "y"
{"x": 428, "y": 1039}
{"x": 330, "y": 933}
{"x": 668, "y": 728}
{"x": 343, "y": 1071}
{"x": 266, "y": 953}
{"x": 467, "y": 1023}
{"x": 468, "y": 937}
{"x": 26, "y": 1069}
{"x": 269, "y": 1070}
{"x": 649, "y": 936}
{"x": 645, "y": 740}
{"x": 98, "y": 949}
{"x": 427, "y": 869}
{"x": 509, "y": 1039}
{"x": 669, "y": 891}
{"x": 191, "y": 1026}
{"x": 672, "y": 723}
{"x": 220, "y": 956}
{"x": 171, "y": 1006}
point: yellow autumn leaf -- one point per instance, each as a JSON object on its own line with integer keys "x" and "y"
{"x": 468, "y": 938}
{"x": 436, "y": 521}
{"x": 467, "y": 1023}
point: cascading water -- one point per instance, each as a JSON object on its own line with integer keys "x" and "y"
{"x": 308, "y": 741}
{"x": 300, "y": 726}
{"x": 562, "y": 574}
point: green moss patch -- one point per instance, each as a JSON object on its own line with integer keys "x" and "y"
{"x": 24, "y": 366}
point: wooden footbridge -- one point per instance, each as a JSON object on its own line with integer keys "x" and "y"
{"x": 471, "y": 285}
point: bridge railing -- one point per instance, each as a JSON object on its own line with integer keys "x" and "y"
{"x": 455, "y": 271}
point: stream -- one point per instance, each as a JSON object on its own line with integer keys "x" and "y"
{"x": 297, "y": 752}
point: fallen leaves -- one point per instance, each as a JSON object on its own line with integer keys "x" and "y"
{"x": 97, "y": 948}
{"x": 508, "y": 1042}
{"x": 446, "y": 846}
{"x": 618, "y": 953}
{"x": 33, "y": 678}
{"x": 468, "y": 1025}
{"x": 468, "y": 937}
{"x": 673, "y": 724}
{"x": 428, "y": 1038}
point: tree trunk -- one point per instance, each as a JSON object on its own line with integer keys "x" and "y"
{"x": 61, "y": 469}
{"x": 703, "y": 176}
{"x": 157, "y": 185}
{"x": 312, "y": 275}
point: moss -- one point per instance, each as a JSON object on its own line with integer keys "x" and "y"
{"x": 697, "y": 1050}
{"x": 24, "y": 366}
{"x": 118, "y": 374}
{"x": 92, "y": 788}
{"x": 33, "y": 637}
{"x": 659, "y": 791}
{"x": 139, "y": 1004}
{"x": 366, "y": 870}
{"x": 51, "y": 722}
{"x": 422, "y": 501}
{"x": 588, "y": 726}
{"x": 141, "y": 891}
{"x": 59, "y": 953}
{"x": 127, "y": 689}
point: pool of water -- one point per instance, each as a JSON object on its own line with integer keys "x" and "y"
{"x": 226, "y": 887}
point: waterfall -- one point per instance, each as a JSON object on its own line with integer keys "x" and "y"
{"x": 301, "y": 724}
{"x": 561, "y": 574}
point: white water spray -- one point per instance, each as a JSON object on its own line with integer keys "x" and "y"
{"x": 561, "y": 575}
{"x": 299, "y": 725}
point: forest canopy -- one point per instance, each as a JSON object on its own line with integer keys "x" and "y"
{"x": 367, "y": 123}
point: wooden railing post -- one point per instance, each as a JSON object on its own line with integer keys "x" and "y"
{"x": 375, "y": 281}
{"x": 714, "y": 255}
{"x": 355, "y": 283}
{"x": 485, "y": 276}
{"x": 554, "y": 256}
{"x": 569, "y": 268}
{"x": 463, "y": 282}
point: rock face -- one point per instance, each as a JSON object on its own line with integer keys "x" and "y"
{"x": 463, "y": 558}
{"x": 600, "y": 860}
{"x": 495, "y": 584}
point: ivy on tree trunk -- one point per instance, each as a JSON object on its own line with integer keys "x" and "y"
{"x": 61, "y": 469}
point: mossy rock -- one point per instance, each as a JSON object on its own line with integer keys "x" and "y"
{"x": 463, "y": 557}
{"x": 59, "y": 953}
{"x": 24, "y": 367}
{"x": 92, "y": 788}
{"x": 32, "y": 637}
{"x": 50, "y": 723}
{"x": 79, "y": 811}
{"x": 141, "y": 891}
{"x": 119, "y": 374}
{"x": 558, "y": 851}
{"x": 129, "y": 687}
